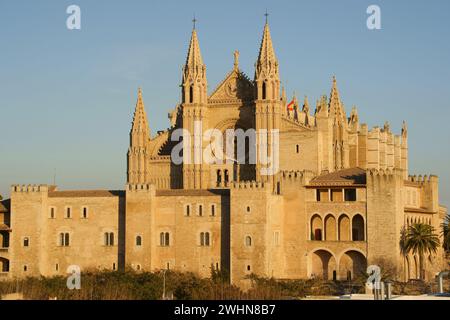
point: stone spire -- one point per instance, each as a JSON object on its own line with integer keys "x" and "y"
{"x": 194, "y": 57}
{"x": 140, "y": 123}
{"x": 267, "y": 63}
{"x": 194, "y": 73}
{"x": 138, "y": 150}
{"x": 336, "y": 108}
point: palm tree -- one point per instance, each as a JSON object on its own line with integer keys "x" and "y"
{"x": 420, "y": 238}
{"x": 445, "y": 233}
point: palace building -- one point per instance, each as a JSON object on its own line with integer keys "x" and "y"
{"x": 337, "y": 203}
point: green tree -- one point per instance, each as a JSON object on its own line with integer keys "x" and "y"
{"x": 445, "y": 233}
{"x": 420, "y": 239}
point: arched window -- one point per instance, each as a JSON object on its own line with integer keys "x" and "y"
{"x": 200, "y": 210}
{"x": 85, "y": 213}
{"x": 64, "y": 239}
{"x": 167, "y": 239}
{"x": 109, "y": 238}
{"x": 188, "y": 210}
{"x": 219, "y": 176}
{"x": 68, "y": 212}
{"x": 26, "y": 242}
{"x": 248, "y": 241}
{"x": 164, "y": 239}
{"x": 358, "y": 228}
{"x": 204, "y": 239}
{"x": 138, "y": 241}
{"x": 226, "y": 177}
{"x": 316, "y": 228}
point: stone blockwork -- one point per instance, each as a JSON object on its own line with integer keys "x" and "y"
{"x": 336, "y": 202}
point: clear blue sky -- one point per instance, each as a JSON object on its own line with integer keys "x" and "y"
{"x": 67, "y": 97}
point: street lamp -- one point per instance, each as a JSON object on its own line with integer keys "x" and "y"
{"x": 164, "y": 284}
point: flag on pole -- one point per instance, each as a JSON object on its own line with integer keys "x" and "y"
{"x": 290, "y": 105}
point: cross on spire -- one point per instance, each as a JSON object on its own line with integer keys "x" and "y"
{"x": 266, "y": 15}
{"x": 194, "y": 21}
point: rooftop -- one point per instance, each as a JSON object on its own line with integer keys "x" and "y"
{"x": 351, "y": 176}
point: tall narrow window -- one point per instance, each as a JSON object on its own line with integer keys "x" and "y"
{"x": 219, "y": 177}
{"x": 213, "y": 210}
{"x": 191, "y": 94}
{"x": 84, "y": 213}
{"x": 202, "y": 238}
{"x": 66, "y": 239}
{"x": 167, "y": 239}
{"x": 26, "y": 242}
{"x": 200, "y": 210}
{"x": 226, "y": 176}
{"x": 68, "y": 212}
{"x": 52, "y": 213}
{"x": 138, "y": 241}
{"x": 297, "y": 148}
{"x": 188, "y": 210}
{"x": 207, "y": 239}
{"x": 264, "y": 90}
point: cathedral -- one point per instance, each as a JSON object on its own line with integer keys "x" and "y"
{"x": 321, "y": 196}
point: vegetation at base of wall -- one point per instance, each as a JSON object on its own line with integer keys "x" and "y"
{"x": 126, "y": 285}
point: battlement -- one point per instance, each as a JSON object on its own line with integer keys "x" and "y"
{"x": 146, "y": 187}
{"x": 422, "y": 179}
{"x": 384, "y": 172}
{"x": 249, "y": 185}
{"x": 15, "y": 188}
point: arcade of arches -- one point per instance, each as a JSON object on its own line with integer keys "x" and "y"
{"x": 349, "y": 265}
{"x": 342, "y": 228}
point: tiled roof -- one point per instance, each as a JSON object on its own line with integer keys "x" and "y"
{"x": 351, "y": 176}
{"x": 86, "y": 193}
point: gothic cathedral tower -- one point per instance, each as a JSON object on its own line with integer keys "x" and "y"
{"x": 138, "y": 171}
{"x": 268, "y": 107}
{"x": 194, "y": 109}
